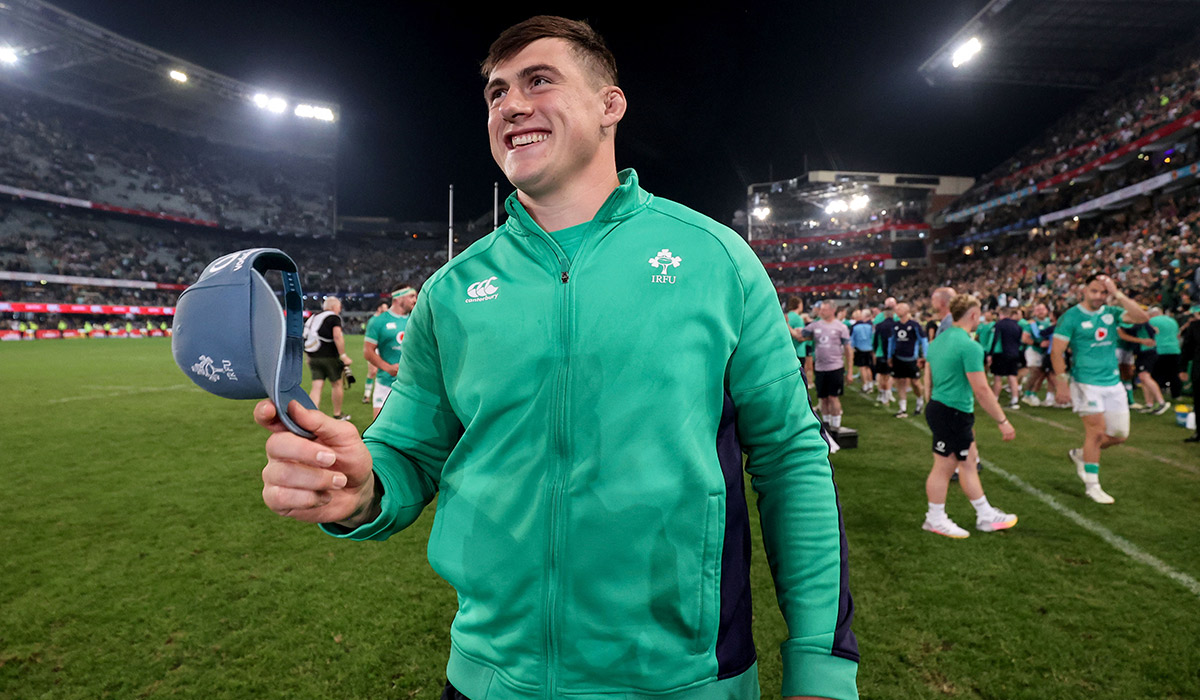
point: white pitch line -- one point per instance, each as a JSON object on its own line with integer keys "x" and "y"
{"x": 1136, "y": 450}
{"x": 114, "y": 394}
{"x": 1120, "y": 543}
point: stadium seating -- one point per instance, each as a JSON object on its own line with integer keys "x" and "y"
{"x": 1130, "y": 107}
{"x": 69, "y": 151}
{"x": 66, "y": 241}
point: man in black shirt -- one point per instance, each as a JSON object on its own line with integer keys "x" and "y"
{"x": 1006, "y": 356}
{"x": 326, "y": 351}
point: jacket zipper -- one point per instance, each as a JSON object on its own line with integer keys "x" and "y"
{"x": 557, "y": 483}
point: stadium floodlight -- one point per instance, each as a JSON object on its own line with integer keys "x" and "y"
{"x": 178, "y": 76}
{"x": 966, "y": 51}
{"x": 837, "y": 205}
{"x": 8, "y": 55}
{"x": 324, "y": 114}
{"x": 277, "y": 105}
{"x": 761, "y": 213}
{"x": 859, "y": 201}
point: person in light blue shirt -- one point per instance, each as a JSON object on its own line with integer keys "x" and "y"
{"x": 862, "y": 337}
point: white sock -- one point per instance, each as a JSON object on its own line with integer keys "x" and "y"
{"x": 835, "y": 421}
{"x": 1050, "y": 398}
{"x": 981, "y": 505}
{"x": 937, "y": 511}
{"x": 920, "y": 403}
{"x": 903, "y": 405}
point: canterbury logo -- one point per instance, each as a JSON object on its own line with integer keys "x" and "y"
{"x": 482, "y": 291}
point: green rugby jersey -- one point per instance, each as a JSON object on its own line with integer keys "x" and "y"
{"x": 951, "y": 355}
{"x": 1092, "y": 336}
{"x": 582, "y": 421}
{"x": 387, "y": 332}
{"x": 985, "y": 333}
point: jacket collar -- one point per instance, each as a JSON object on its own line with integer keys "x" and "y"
{"x": 625, "y": 201}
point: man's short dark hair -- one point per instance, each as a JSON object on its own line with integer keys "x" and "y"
{"x": 793, "y": 303}
{"x": 1092, "y": 278}
{"x": 587, "y": 44}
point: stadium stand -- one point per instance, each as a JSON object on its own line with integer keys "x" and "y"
{"x": 1109, "y": 187}
{"x": 118, "y": 186}
{"x": 61, "y": 149}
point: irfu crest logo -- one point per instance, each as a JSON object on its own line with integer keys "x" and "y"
{"x": 664, "y": 260}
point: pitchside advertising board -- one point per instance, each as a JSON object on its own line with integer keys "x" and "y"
{"x": 11, "y": 334}
{"x": 96, "y": 309}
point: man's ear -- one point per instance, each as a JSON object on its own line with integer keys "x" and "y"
{"x": 614, "y": 106}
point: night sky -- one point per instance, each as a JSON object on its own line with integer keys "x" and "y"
{"x": 718, "y": 97}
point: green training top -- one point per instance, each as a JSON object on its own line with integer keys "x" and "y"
{"x": 794, "y": 320}
{"x": 1167, "y": 340}
{"x": 570, "y": 238}
{"x": 583, "y": 422}
{"x": 986, "y": 332}
{"x": 1092, "y": 336}
{"x": 951, "y": 355}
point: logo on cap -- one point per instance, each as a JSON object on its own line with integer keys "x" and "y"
{"x": 208, "y": 369}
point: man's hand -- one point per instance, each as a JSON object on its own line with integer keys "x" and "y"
{"x": 323, "y": 480}
{"x": 1007, "y": 431}
{"x": 1109, "y": 285}
{"x": 1062, "y": 390}
{"x": 392, "y": 369}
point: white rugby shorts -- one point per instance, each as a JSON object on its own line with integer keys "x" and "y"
{"x": 1090, "y": 400}
{"x": 380, "y": 394}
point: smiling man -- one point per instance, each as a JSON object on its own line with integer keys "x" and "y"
{"x": 583, "y": 421}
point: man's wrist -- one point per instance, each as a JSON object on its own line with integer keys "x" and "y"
{"x": 369, "y": 510}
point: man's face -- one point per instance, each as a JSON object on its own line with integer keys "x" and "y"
{"x": 406, "y": 303}
{"x": 546, "y": 116}
{"x": 1094, "y": 295}
{"x": 1040, "y": 312}
{"x": 902, "y": 310}
{"x": 827, "y": 311}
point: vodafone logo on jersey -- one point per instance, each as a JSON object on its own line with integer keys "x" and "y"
{"x": 483, "y": 290}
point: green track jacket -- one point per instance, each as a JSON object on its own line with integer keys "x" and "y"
{"x": 584, "y": 422}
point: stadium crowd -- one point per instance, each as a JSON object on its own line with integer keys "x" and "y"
{"x": 1138, "y": 103}
{"x": 1154, "y": 253}
{"x": 60, "y": 149}
{"x": 65, "y": 241}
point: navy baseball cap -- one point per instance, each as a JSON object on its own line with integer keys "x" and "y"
{"x": 230, "y": 336}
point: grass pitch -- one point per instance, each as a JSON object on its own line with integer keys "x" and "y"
{"x": 139, "y": 561}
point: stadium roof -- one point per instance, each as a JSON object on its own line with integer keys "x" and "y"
{"x": 1062, "y": 43}
{"x": 67, "y": 58}
{"x": 800, "y": 198}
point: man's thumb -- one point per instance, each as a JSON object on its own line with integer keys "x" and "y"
{"x": 310, "y": 419}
